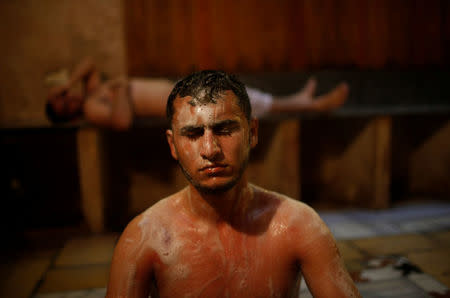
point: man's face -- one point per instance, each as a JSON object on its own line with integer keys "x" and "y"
{"x": 212, "y": 141}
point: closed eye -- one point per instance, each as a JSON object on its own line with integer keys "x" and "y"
{"x": 192, "y": 132}
{"x": 226, "y": 127}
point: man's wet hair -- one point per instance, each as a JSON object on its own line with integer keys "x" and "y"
{"x": 56, "y": 118}
{"x": 206, "y": 87}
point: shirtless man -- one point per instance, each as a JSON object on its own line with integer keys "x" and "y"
{"x": 222, "y": 236}
{"x": 117, "y": 102}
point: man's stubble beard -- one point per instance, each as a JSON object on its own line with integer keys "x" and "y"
{"x": 218, "y": 189}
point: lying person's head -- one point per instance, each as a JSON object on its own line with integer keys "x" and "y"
{"x": 64, "y": 108}
{"x": 211, "y": 130}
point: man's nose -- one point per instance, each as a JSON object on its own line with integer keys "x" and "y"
{"x": 210, "y": 146}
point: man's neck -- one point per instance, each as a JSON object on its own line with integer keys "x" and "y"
{"x": 228, "y": 207}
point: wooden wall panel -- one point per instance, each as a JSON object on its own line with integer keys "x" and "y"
{"x": 90, "y": 167}
{"x": 421, "y": 156}
{"x": 382, "y": 162}
{"x": 377, "y": 33}
{"x": 176, "y": 37}
{"x": 361, "y": 59}
{"x": 346, "y": 162}
{"x": 137, "y": 37}
{"x": 348, "y": 31}
{"x": 272, "y": 165}
{"x": 180, "y": 15}
{"x": 296, "y": 37}
{"x": 40, "y": 38}
{"x": 201, "y": 34}
{"x": 445, "y": 37}
{"x": 400, "y": 34}
{"x": 225, "y": 35}
{"x": 429, "y": 164}
{"x": 274, "y": 37}
{"x": 313, "y": 31}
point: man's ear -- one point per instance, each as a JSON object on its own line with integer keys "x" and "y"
{"x": 173, "y": 150}
{"x": 253, "y": 132}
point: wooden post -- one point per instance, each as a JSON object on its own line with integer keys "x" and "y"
{"x": 382, "y": 161}
{"x": 276, "y": 166}
{"x": 91, "y": 180}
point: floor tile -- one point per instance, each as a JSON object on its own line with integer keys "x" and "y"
{"x": 391, "y": 288}
{"x": 354, "y": 266}
{"x": 22, "y": 276}
{"x": 349, "y": 252}
{"x": 87, "y": 251}
{"x": 39, "y": 253}
{"x": 445, "y": 279}
{"x": 351, "y": 230}
{"x": 443, "y": 237}
{"x": 352, "y": 257}
{"x": 75, "y": 278}
{"x": 435, "y": 262}
{"x": 409, "y": 219}
{"x": 433, "y": 223}
{"x": 398, "y": 244}
{"x": 91, "y": 293}
{"x": 82, "y": 264}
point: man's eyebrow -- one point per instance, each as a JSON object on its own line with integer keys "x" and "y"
{"x": 190, "y": 128}
{"x": 225, "y": 123}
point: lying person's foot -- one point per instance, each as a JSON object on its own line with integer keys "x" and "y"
{"x": 331, "y": 100}
{"x": 304, "y": 100}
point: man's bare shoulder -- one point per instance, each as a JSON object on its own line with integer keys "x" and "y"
{"x": 165, "y": 206}
{"x": 293, "y": 216}
{"x": 285, "y": 204}
{"x": 158, "y": 215}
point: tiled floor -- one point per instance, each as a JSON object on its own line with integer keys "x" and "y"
{"x": 79, "y": 266}
{"x": 80, "y": 263}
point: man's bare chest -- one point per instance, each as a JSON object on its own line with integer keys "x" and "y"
{"x": 208, "y": 262}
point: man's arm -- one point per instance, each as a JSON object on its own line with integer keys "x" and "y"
{"x": 115, "y": 103}
{"x": 86, "y": 72}
{"x": 132, "y": 265}
{"x": 110, "y": 105}
{"x": 320, "y": 261}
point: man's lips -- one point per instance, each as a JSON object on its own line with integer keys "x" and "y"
{"x": 213, "y": 169}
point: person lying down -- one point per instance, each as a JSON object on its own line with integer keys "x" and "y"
{"x": 117, "y": 102}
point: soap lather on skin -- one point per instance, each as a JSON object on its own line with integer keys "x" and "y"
{"x": 222, "y": 236}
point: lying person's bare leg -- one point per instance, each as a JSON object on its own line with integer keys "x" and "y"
{"x": 149, "y": 99}
{"x": 304, "y": 100}
{"x": 150, "y": 96}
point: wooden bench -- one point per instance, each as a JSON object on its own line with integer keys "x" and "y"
{"x": 357, "y": 156}
{"x": 352, "y": 156}
{"x": 345, "y": 157}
